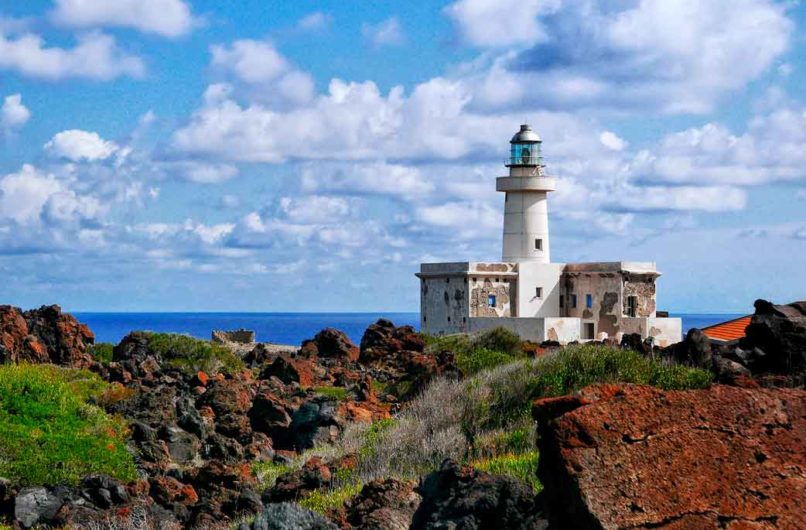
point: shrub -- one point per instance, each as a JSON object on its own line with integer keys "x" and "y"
{"x": 488, "y": 415}
{"x": 102, "y": 352}
{"x": 498, "y": 339}
{"x": 192, "y": 355}
{"x": 478, "y": 359}
{"x": 267, "y": 473}
{"x": 49, "y": 434}
{"x": 520, "y": 466}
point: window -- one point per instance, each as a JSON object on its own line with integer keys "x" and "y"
{"x": 632, "y": 306}
{"x": 588, "y": 331}
{"x": 491, "y": 300}
{"x": 425, "y": 318}
{"x": 538, "y": 244}
{"x": 589, "y": 301}
{"x": 562, "y": 301}
{"x": 574, "y": 301}
{"x": 539, "y": 293}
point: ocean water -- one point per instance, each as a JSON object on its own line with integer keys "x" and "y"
{"x": 279, "y": 328}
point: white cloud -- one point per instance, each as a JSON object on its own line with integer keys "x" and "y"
{"x": 386, "y": 33}
{"x": 79, "y": 145}
{"x": 378, "y": 178}
{"x": 169, "y": 18}
{"x": 612, "y": 141}
{"x": 13, "y": 114}
{"x": 315, "y": 21}
{"x": 501, "y": 23}
{"x": 25, "y": 193}
{"x": 204, "y": 173}
{"x": 95, "y": 56}
{"x": 684, "y": 198}
{"x": 678, "y": 56}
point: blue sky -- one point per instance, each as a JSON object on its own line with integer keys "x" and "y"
{"x": 307, "y": 156}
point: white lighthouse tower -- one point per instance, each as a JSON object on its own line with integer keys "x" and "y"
{"x": 526, "y": 219}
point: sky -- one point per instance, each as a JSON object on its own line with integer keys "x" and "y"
{"x": 197, "y": 155}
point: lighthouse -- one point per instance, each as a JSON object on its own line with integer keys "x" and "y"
{"x": 526, "y": 214}
{"x": 529, "y": 294}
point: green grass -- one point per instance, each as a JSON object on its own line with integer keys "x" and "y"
{"x": 267, "y": 473}
{"x": 477, "y": 359}
{"x": 520, "y": 466}
{"x": 102, "y": 352}
{"x": 484, "y": 351}
{"x": 192, "y": 355}
{"x": 336, "y": 392}
{"x": 50, "y": 434}
{"x": 324, "y": 501}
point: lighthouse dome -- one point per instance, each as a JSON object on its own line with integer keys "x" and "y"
{"x": 525, "y": 136}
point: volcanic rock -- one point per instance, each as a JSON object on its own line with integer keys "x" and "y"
{"x": 288, "y": 516}
{"x": 780, "y": 332}
{"x": 387, "y": 504}
{"x": 44, "y": 335}
{"x": 461, "y": 497}
{"x": 638, "y": 457}
{"x": 297, "y": 484}
{"x": 331, "y": 343}
{"x": 382, "y": 338}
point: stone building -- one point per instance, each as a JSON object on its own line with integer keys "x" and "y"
{"x": 529, "y": 294}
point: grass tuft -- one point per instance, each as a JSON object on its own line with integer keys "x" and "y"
{"x": 335, "y": 392}
{"x": 102, "y": 352}
{"x": 50, "y": 434}
{"x": 520, "y": 466}
{"x": 325, "y": 501}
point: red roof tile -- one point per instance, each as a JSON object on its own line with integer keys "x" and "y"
{"x": 728, "y": 331}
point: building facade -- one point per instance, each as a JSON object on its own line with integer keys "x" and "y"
{"x": 525, "y": 292}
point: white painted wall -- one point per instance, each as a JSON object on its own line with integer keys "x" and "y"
{"x": 563, "y": 329}
{"x": 665, "y": 331}
{"x": 532, "y": 275}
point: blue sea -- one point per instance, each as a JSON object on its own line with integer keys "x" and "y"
{"x": 279, "y": 328}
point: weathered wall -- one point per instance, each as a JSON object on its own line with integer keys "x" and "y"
{"x": 527, "y": 328}
{"x": 643, "y": 288}
{"x": 606, "y": 289}
{"x": 532, "y": 275}
{"x": 480, "y": 290}
{"x": 444, "y": 305}
{"x": 239, "y": 336}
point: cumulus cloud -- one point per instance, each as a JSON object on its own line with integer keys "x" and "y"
{"x": 680, "y": 55}
{"x": 379, "y": 178}
{"x": 77, "y": 145}
{"x": 95, "y": 56}
{"x": 772, "y": 149}
{"x": 13, "y": 114}
{"x": 169, "y": 18}
{"x": 501, "y": 23}
{"x": 259, "y": 66}
{"x": 386, "y": 33}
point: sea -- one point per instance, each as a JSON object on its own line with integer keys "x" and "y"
{"x": 279, "y": 328}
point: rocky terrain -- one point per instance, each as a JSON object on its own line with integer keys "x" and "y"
{"x": 251, "y": 436}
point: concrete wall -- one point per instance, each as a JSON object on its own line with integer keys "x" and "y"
{"x": 527, "y": 328}
{"x": 503, "y": 288}
{"x": 444, "y": 305}
{"x": 532, "y": 275}
{"x": 642, "y": 286}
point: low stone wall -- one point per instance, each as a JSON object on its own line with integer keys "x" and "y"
{"x": 238, "y": 336}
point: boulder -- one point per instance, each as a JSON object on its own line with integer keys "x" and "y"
{"x": 288, "y": 516}
{"x": 313, "y": 475}
{"x": 779, "y": 331}
{"x": 625, "y": 456}
{"x": 36, "y": 506}
{"x": 44, "y": 335}
{"x": 387, "y": 504}
{"x": 289, "y": 371}
{"x": 383, "y": 338}
{"x": 315, "y": 422}
{"x": 461, "y": 497}
{"x": 268, "y": 413}
{"x": 694, "y": 350}
{"x": 331, "y": 343}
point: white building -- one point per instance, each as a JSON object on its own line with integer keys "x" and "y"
{"x": 527, "y": 293}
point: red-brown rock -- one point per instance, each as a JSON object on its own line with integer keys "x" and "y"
{"x": 639, "y": 457}
{"x": 330, "y": 343}
{"x": 382, "y": 339}
{"x": 44, "y": 335}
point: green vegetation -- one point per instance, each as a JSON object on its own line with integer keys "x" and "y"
{"x": 192, "y": 355}
{"x": 102, "y": 352}
{"x": 50, "y": 434}
{"x": 336, "y": 392}
{"x": 481, "y": 352}
{"x": 267, "y": 473}
{"x": 324, "y": 501}
{"x": 486, "y": 417}
{"x": 520, "y": 466}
